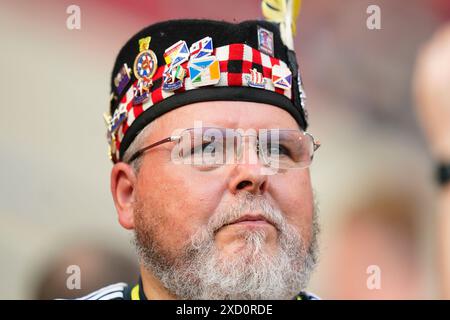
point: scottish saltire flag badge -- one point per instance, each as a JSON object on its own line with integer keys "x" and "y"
{"x": 255, "y": 79}
{"x": 202, "y": 48}
{"x": 173, "y": 78}
{"x": 204, "y": 71}
{"x": 265, "y": 41}
{"x": 146, "y": 62}
{"x": 177, "y": 53}
{"x": 122, "y": 78}
{"x": 281, "y": 77}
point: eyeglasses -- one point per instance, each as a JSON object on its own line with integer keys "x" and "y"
{"x": 210, "y": 147}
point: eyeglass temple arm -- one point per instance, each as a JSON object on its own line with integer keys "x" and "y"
{"x": 316, "y": 144}
{"x": 141, "y": 151}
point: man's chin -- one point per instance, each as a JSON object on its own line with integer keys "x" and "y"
{"x": 239, "y": 250}
{"x": 238, "y": 247}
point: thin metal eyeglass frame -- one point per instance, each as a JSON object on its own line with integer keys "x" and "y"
{"x": 139, "y": 153}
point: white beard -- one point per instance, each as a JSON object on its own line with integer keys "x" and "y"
{"x": 201, "y": 271}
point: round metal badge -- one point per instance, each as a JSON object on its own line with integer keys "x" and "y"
{"x": 145, "y": 64}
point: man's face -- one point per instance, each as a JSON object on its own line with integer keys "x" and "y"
{"x": 186, "y": 218}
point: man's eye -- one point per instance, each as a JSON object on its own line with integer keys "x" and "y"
{"x": 209, "y": 147}
{"x": 279, "y": 149}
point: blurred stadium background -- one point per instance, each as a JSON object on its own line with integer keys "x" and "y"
{"x": 372, "y": 175}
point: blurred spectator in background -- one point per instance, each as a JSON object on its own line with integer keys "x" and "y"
{"x": 378, "y": 240}
{"x": 98, "y": 265}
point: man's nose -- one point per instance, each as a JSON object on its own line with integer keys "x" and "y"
{"x": 248, "y": 173}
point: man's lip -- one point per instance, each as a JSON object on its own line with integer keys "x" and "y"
{"x": 251, "y": 217}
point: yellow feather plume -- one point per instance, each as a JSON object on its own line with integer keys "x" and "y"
{"x": 284, "y": 12}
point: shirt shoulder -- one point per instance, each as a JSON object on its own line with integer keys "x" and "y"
{"x": 303, "y": 295}
{"x": 117, "y": 291}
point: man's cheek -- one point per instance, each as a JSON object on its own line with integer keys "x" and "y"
{"x": 168, "y": 219}
{"x": 178, "y": 225}
{"x": 300, "y": 195}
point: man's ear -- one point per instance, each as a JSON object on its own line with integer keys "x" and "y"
{"x": 123, "y": 188}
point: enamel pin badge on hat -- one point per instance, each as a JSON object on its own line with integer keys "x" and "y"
{"x": 204, "y": 71}
{"x": 145, "y": 63}
{"x": 173, "y": 78}
{"x": 265, "y": 41}
{"x": 255, "y": 79}
{"x": 281, "y": 77}
{"x": 122, "y": 78}
{"x": 176, "y": 54}
{"x": 204, "y": 68}
{"x": 202, "y": 48}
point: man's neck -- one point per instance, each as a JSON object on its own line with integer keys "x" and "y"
{"x": 153, "y": 288}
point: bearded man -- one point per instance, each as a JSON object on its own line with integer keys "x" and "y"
{"x": 207, "y": 133}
